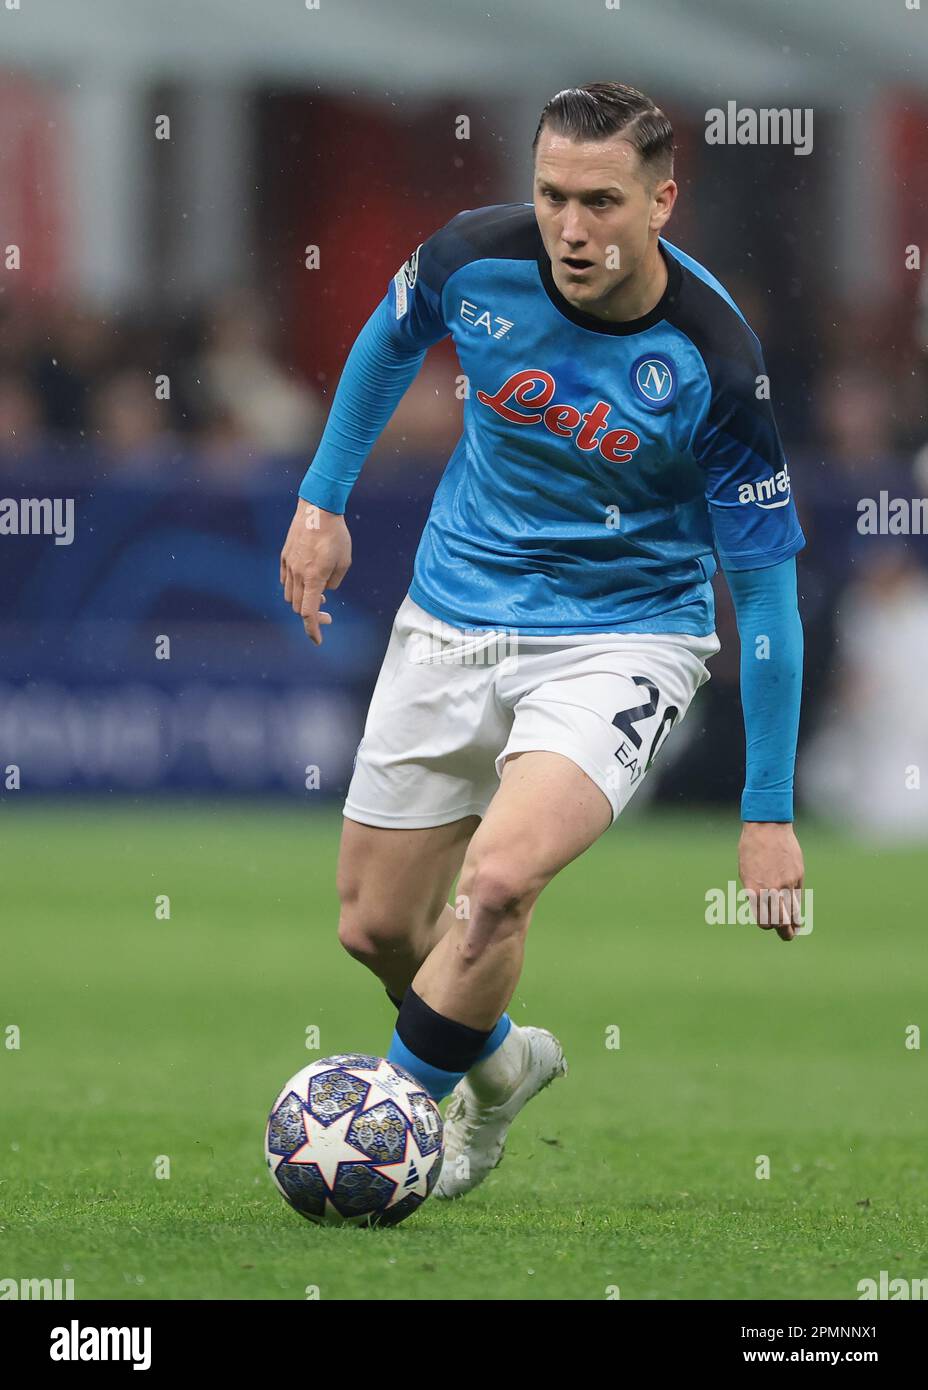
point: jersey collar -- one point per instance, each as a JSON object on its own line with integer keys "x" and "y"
{"x": 622, "y": 329}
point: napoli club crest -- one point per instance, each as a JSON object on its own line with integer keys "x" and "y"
{"x": 654, "y": 379}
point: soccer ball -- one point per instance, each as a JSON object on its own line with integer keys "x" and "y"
{"x": 354, "y": 1139}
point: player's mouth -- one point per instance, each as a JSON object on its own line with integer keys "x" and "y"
{"x": 576, "y": 264}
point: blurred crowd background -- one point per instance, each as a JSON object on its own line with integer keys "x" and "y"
{"x": 196, "y": 219}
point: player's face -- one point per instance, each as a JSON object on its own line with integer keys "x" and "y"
{"x": 598, "y": 215}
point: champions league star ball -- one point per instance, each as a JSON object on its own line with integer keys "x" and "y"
{"x": 354, "y": 1139}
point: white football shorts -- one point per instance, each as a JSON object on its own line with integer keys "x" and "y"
{"x": 450, "y": 706}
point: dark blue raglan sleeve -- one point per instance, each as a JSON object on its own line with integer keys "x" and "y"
{"x": 748, "y": 489}
{"x": 383, "y": 361}
{"x": 757, "y": 534}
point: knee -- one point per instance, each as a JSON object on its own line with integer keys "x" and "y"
{"x": 359, "y": 931}
{"x": 363, "y": 937}
{"x": 370, "y": 936}
{"x": 499, "y": 889}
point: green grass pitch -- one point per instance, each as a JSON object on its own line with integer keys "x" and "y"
{"x": 142, "y": 1037}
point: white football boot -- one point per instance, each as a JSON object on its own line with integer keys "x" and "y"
{"x": 485, "y": 1102}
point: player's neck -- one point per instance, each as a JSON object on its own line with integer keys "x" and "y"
{"x": 638, "y": 294}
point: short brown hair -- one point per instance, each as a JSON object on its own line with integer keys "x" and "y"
{"x": 601, "y": 109}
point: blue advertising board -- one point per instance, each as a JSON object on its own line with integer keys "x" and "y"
{"x": 151, "y": 648}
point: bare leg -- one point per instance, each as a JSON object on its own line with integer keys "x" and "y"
{"x": 393, "y": 886}
{"x": 547, "y": 812}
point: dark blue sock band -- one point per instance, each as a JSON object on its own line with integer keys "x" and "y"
{"x": 441, "y": 1042}
{"x": 439, "y": 1081}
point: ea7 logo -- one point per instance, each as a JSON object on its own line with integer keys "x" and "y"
{"x": 404, "y": 280}
{"x": 495, "y": 326}
{"x": 411, "y": 268}
{"x": 767, "y": 493}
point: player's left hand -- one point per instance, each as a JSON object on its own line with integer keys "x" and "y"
{"x": 772, "y": 871}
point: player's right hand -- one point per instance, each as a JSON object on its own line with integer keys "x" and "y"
{"x": 316, "y": 556}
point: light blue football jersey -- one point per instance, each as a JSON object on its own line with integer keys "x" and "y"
{"x": 603, "y": 468}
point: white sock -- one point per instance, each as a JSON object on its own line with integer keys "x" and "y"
{"x": 496, "y": 1076}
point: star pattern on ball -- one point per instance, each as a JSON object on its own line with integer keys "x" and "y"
{"x": 391, "y": 1086}
{"x": 415, "y": 1162}
{"x": 327, "y": 1146}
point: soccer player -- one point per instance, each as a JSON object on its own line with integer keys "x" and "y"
{"x": 618, "y": 437}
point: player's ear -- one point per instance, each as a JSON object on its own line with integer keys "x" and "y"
{"x": 663, "y": 199}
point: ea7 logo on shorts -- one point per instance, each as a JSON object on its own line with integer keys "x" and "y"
{"x": 768, "y": 493}
{"x": 404, "y": 280}
{"x": 628, "y": 752}
{"x": 495, "y": 327}
{"x": 654, "y": 381}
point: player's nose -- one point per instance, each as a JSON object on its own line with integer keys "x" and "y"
{"x": 573, "y": 231}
